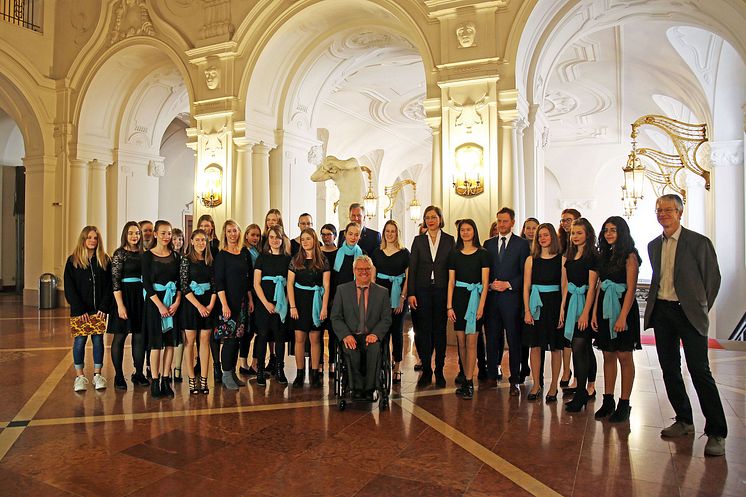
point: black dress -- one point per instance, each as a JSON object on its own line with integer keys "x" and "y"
{"x": 544, "y": 332}
{"x": 468, "y": 270}
{"x": 577, "y": 273}
{"x": 271, "y": 265}
{"x": 304, "y": 298}
{"x": 159, "y": 270}
{"x": 393, "y": 265}
{"x": 126, "y": 264}
{"x": 197, "y": 272}
{"x": 345, "y": 273}
{"x": 232, "y": 276}
{"x": 629, "y": 339}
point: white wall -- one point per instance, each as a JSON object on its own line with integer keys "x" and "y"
{"x": 176, "y": 187}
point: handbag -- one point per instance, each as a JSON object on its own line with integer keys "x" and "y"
{"x": 94, "y": 326}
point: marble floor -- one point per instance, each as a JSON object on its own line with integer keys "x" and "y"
{"x": 279, "y": 441}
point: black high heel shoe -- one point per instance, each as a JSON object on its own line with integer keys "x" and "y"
{"x": 577, "y": 404}
{"x": 566, "y": 383}
{"x": 551, "y": 398}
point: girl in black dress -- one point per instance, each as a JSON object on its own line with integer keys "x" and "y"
{"x": 198, "y": 288}
{"x": 563, "y": 235}
{"x": 160, "y": 277}
{"x": 579, "y": 278}
{"x": 272, "y": 218}
{"x": 308, "y": 295}
{"x": 391, "y": 263}
{"x": 207, "y": 224}
{"x": 88, "y": 291}
{"x": 251, "y": 239}
{"x": 468, "y": 280}
{"x": 542, "y": 299}
{"x": 329, "y": 249}
{"x": 616, "y": 316}
{"x": 270, "y": 282}
{"x": 233, "y": 269}
{"x": 126, "y": 315}
{"x": 347, "y": 253}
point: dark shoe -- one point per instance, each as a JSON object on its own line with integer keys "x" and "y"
{"x": 166, "y": 389}
{"x": 261, "y": 378}
{"x": 532, "y": 397}
{"x": 246, "y": 372}
{"x": 155, "y": 388}
{"x": 569, "y": 391}
{"x": 715, "y": 446}
{"x": 440, "y": 380}
{"x": 396, "y": 377}
{"x": 218, "y": 372}
{"x": 607, "y": 408}
{"x": 592, "y": 396}
{"x": 565, "y": 383}
{"x": 426, "y": 379}
{"x": 139, "y": 379}
{"x": 203, "y": 388}
{"x": 119, "y": 383}
{"x": 300, "y": 378}
{"x": 482, "y": 375}
{"x": 678, "y": 429}
{"x": 468, "y": 390}
{"x": 272, "y": 366}
{"x": 622, "y": 412}
{"x": 193, "y": 388}
{"x": 238, "y": 381}
{"x": 515, "y": 391}
{"x": 177, "y": 375}
{"x": 460, "y": 390}
{"x": 280, "y": 373}
{"x": 418, "y": 367}
{"x": 460, "y": 379}
{"x": 316, "y": 379}
{"x": 228, "y": 381}
{"x": 578, "y": 402}
{"x": 551, "y": 398}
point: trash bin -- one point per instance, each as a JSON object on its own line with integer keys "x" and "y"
{"x": 47, "y": 291}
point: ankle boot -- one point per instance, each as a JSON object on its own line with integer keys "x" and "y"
{"x": 300, "y": 376}
{"x": 622, "y": 412}
{"x": 166, "y": 389}
{"x": 280, "y": 373}
{"x": 261, "y": 380}
{"x": 228, "y": 381}
{"x": 155, "y": 388}
{"x": 607, "y": 407}
{"x": 578, "y": 402}
{"x": 218, "y": 372}
{"x": 316, "y": 379}
{"x": 272, "y": 365}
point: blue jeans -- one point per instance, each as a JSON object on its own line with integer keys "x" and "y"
{"x": 79, "y": 351}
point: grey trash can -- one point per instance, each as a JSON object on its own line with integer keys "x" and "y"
{"x": 47, "y": 291}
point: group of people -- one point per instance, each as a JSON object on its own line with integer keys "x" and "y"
{"x": 560, "y": 290}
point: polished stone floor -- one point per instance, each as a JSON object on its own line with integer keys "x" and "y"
{"x": 280, "y": 441}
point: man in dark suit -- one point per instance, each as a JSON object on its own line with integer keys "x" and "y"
{"x": 505, "y": 298}
{"x": 369, "y": 239}
{"x": 361, "y": 316}
{"x": 686, "y": 280}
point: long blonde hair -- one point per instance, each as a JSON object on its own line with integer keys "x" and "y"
{"x": 224, "y": 236}
{"x": 398, "y": 235}
{"x": 80, "y": 253}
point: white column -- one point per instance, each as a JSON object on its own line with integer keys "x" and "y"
{"x": 97, "y": 195}
{"x": 260, "y": 178}
{"x": 436, "y": 188}
{"x": 77, "y": 199}
{"x": 519, "y": 180}
{"x": 244, "y": 208}
{"x": 505, "y": 188}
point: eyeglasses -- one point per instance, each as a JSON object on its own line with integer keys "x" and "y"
{"x": 667, "y": 210}
{"x": 363, "y": 269}
{"x": 567, "y": 220}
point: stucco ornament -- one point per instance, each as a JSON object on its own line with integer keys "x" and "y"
{"x": 466, "y": 34}
{"x": 130, "y": 18}
{"x": 212, "y": 77}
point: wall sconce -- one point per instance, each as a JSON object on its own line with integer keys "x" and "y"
{"x": 370, "y": 200}
{"x": 211, "y": 193}
{"x": 467, "y": 180}
{"x": 392, "y": 192}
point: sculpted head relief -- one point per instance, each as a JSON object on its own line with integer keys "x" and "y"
{"x": 212, "y": 77}
{"x": 466, "y": 34}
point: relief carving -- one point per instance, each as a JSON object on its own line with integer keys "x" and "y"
{"x": 466, "y": 34}
{"x": 131, "y": 18}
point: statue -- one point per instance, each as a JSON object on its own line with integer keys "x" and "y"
{"x": 212, "y": 77}
{"x": 346, "y": 175}
{"x": 466, "y": 34}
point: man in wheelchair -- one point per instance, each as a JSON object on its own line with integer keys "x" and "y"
{"x": 361, "y": 316}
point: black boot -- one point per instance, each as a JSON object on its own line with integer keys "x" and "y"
{"x": 622, "y": 412}
{"x": 272, "y": 366}
{"x": 578, "y": 402}
{"x": 155, "y": 388}
{"x": 607, "y": 407}
{"x": 468, "y": 390}
{"x": 166, "y": 389}
{"x": 140, "y": 379}
{"x": 316, "y": 381}
{"x": 261, "y": 380}
{"x": 218, "y": 372}
{"x": 280, "y": 373}
{"x": 300, "y": 377}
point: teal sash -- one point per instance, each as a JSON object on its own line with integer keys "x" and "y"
{"x": 167, "y": 323}
{"x": 281, "y": 300}
{"x": 534, "y": 301}
{"x": 574, "y": 308}
{"x": 612, "y": 302}
{"x": 132, "y": 280}
{"x": 475, "y": 291}
{"x": 396, "y": 287}
{"x": 254, "y": 255}
{"x": 355, "y": 251}
{"x": 318, "y": 300}
{"x": 199, "y": 288}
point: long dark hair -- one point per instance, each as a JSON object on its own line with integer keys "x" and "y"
{"x": 191, "y": 252}
{"x": 125, "y": 231}
{"x": 475, "y": 241}
{"x": 589, "y": 250}
{"x": 317, "y": 257}
{"x": 615, "y": 256}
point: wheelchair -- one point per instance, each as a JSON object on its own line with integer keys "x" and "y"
{"x": 342, "y": 389}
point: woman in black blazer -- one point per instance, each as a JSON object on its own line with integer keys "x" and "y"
{"x": 427, "y": 288}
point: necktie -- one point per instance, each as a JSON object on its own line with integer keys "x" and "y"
{"x": 361, "y": 306}
{"x": 501, "y": 252}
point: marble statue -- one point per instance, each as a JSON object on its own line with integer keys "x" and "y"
{"x": 346, "y": 175}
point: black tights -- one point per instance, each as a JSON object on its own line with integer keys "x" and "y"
{"x": 138, "y": 352}
{"x": 260, "y": 345}
{"x": 229, "y": 354}
{"x": 584, "y": 362}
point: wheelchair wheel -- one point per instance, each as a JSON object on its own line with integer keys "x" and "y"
{"x": 383, "y": 402}
{"x": 342, "y": 404}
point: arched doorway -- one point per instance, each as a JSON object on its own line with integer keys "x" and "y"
{"x": 12, "y": 208}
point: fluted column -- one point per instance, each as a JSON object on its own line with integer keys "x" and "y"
{"x": 97, "y": 195}
{"x": 244, "y": 207}
{"x": 436, "y": 188}
{"x": 77, "y": 201}
{"x": 260, "y": 178}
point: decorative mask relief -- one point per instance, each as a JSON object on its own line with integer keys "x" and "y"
{"x": 469, "y": 113}
{"x": 466, "y": 34}
{"x": 212, "y": 77}
{"x": 214, "y": 143}
{"x": 156, "y": 169}
{"x": 130, "y": 18}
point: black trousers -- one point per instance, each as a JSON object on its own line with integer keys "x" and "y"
{"x": 671, "y": 326}
{"x": 396, "y": 332}
{"x": 504, "y": 318}
{"x": 363, "y": 363}
{"x": 430, "y": 333}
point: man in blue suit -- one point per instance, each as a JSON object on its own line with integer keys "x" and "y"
{"x": 505, "y": 298}
{"x": 369, "y": 239}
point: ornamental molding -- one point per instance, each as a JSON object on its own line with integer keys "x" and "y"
{"x": 130, "y": 18}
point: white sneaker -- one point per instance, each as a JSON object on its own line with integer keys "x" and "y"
{"x": 99, "y": 382}
{"x": 81, "y": 384}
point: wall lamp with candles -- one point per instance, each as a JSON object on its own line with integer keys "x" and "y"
{"x": 467, "y": 180}
{"x": 392, "y": 192}
{"x": 370, "y": 200}
{"x": 211, "y": 193}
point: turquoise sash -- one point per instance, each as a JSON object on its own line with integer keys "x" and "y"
{"x": 199, "y": 288}
{"x": 475, "y": 291}
{"x": 318, "y": 300}
{"x": 132, "y": 280}
{"x": 281, "y": 300}
{"x": 612, "y": 302}
{"x": 254, "y": 255}
{"x": 574, "y": 308}
{"x": 355, "y": 251}
{"x": 167, "y": 323}
{"x": 534, "y": 301}
{"x": 396, "y": 287}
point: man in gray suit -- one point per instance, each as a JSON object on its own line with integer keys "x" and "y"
{"x": 361, "y": 316}
{"x": 686, "y": 280}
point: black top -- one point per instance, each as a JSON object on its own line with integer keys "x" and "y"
{"x": 214, "y": 247}
{"x": 159, "y": 270}
{"x": 331, "y": 257}
{"x": 577, "y": 269}
{"x": 272, "y": 265}
{"x": 125, "y": 264}
{"x": 422, "y": 265}
{"x": 232, "y": 273}
{"x": 391, "y": 265}
{"x": 87, "y": 290}
{"x": 308, "y": 277}
{"x": 547, "y": 271}
{"x": 199, "y": 272}
{"x": 469, "y": 267}
{"x": 345, "y": 274}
